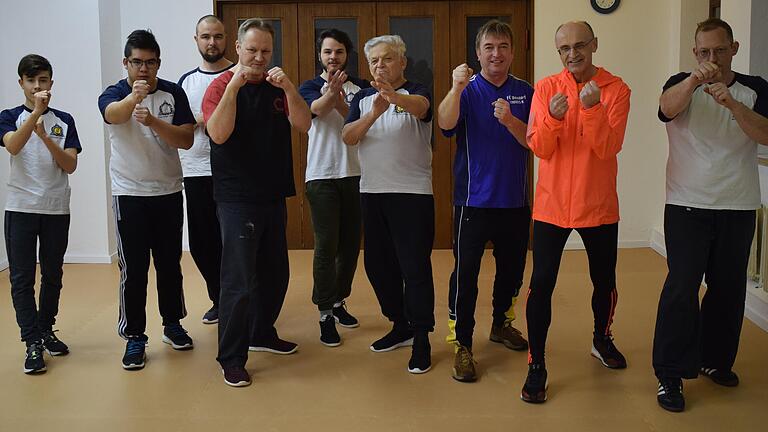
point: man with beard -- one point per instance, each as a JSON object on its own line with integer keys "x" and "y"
{"x": 333, "y": 185}
{"x": 148, "y": 120}
{"x": 249, "y": 111}
{"x": 203, "y": 225}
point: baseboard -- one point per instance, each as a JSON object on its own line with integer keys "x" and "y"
{"x": 90, "y": 259}
{"x": 756, "y": 307}
{"x": 657, "y": 242}
{"x": 629, "y": 244}
{"x": 3, "y": 265}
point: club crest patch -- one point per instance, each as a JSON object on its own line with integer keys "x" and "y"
{"x": 57, "y": 130}
{"x": 166, "y": 109}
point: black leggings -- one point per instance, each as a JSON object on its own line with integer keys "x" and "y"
{"x": 548, "y": 243}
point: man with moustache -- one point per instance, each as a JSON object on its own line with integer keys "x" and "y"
{"x": 715, "y": 119}
{"x": 577, "y": 125}
{"x": 333, "y": 184}
{"x": 202, "y": 223}
{"x": 248, "y": 112}
{"x": 148, "y": 120}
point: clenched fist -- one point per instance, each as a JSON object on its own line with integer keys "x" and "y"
{"x": 590, "y": 95}
{"x": 461, "y": 76}
{"x": 558, "y": 106}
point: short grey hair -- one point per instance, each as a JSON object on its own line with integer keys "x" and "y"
{"x": 394, "y": 41}
{"x": 254, "y": 23}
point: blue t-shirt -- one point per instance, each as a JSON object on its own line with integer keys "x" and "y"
{"x": 490, "y": 168}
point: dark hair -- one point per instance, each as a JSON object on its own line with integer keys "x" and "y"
{"x": 209, "y": 18}
{"x": 496, "y": 28}
{"x": 32, "y": 65}
{"x": 141, "y": 39}
{"x": 713, "y": 24}
{"x": 336, "y": 35}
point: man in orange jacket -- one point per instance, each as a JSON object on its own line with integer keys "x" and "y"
{"x": 576, "y": 128}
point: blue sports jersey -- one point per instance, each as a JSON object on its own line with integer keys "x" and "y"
{"x": 490, "y": 168}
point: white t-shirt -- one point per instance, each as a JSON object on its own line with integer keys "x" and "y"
{"x": 712, "y": 163}
{"x": 196, "y": 162}
{"x": 396, "y": 152}
{"x": 142, "y": 164}
{"x": 37, "y": 184}
{"x": 327, "y": 155}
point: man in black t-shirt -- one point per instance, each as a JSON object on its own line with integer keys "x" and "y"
{"x": 249, "y": 112}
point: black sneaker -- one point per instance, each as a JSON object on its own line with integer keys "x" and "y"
{"x": 670, "y": 394}
{"x": 393, "y": 340}
{"x": 34, "y": 362}
{"x": 212, "y": 316}
{"x": 535, "y": 387}
{"x": 53, "y": 345}
{"x": 236, "y": 376}
{"x": 275, "y": 346}
{"x": 421, "y": 355}
{"x": 328, "y": 334}
{"x": 134, "y": 353}
{"x": 604, "y": 350}
{"x": 175, "y": 336}
{"x": 344, "y": 318}
{"x": 724, "y": 378}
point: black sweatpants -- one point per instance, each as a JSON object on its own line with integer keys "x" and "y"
{"x": 149, "y": 225}
{"x": 335, "y": 207}
{"x": 22, "y": 231}
{"x": 399, "y": 230}
{"x": 713, "y": 244}
{"x": 204, "y": 232}
{"x": 548, "y": 243}
{"x": 473, "y": 227}
{"x": 254, "y": 276}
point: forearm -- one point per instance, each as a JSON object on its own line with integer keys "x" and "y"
{"x": 413, "y": 104}
{"x": 66, "y": 159}
{"x": 353, "y": 132}
{"x": 752, "y": 123}
{"x": 449, "y": 109}
{"x": 298, "y": 111}
{"x": 15, "y": 141}
{"x": 120, "y": 112}
{"x": 518, "y": 129}
{"x": 676, "y": 98}
{"x": 180, "y": 137}
{"x": 323, "y": 105}
{"x": 222, "y": 122}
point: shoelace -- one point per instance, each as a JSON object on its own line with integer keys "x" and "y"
{"x": 134, "y": 347}
{"x": 465, "y": 357}
{"x": 35, "y": 350}
{"x": 50, "y": 336}
{"x": 536, "y": 376}
{"x": 175, "y": 330}
{"x": 508, "y": 327}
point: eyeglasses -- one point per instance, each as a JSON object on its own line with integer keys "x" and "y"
{"x": 705, "y": 53}
{"x": 579, "y": 46}
{"x": 150, "y": 64}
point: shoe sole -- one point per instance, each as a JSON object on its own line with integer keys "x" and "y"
{"x": 460, "y": 378}
{"x": 271, "y": 351}
{"x": 536, "y": 401}
{"x": 35, "y": 371}
{"x": 596, "y": 354}
{"x": 405, "y": 343}
{"x": 57, "y": 353}
{"x": 205, "y": 321}
{"x": 236, "y": 384}
{"x": 168, "y": 340}
{"x": 134, "y": 366}
{"x": 418, "y": 371}
{"x": 508, "y": 345}
{"x": 330, "y": 344}
{"x": 672, "y": 409}
{"x": 355, "y": 325}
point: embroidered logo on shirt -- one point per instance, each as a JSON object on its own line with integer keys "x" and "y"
{"x": 400, "y": 110}
{"x": 516, "y": 100}
{"x": 278, "y": 104}
{"x": 166, "y": 109}
{"x": 57, "y": 130}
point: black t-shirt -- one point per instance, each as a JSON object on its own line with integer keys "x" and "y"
{"x": 255, "y": 164}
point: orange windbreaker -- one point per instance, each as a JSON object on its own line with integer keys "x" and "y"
{"x": 576, "y": 187}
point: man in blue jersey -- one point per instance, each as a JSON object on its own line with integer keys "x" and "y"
{"x": 148, "y": 120}
{"x": 488, "y": 112}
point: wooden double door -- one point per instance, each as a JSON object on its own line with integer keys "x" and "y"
{"x": 439, "y": 35}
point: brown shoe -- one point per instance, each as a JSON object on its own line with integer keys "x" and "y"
{"x": 509, "y": 336}
{"x": 464, "y": 365}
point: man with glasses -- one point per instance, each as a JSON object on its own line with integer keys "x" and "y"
{"x": 715, "y": 119}
{"x": 202, "y": 223}
{"x": 488, "y": 112}
{"x": 249, "y": 111}
{"x": 576, "y": 128}
{"x": 148, "y": 120}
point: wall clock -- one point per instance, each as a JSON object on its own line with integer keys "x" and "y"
{"x": 605, "y": 6}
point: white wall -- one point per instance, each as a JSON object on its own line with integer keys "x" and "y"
{"x": 629, "y": 46}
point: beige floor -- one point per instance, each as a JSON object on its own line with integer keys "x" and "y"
{"x": 349, "y": 388}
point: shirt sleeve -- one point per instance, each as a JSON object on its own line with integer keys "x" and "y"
{"x": 113, "y": 93}
{"x": 182, "y": 113}
{"x": 212, "y": 96}
{"x": 7, "y": 124}
{"x": 72, "y": 140}
{"x": 418, "y": 89}
{"x": 671, "y": 82}
{"x": 761, "y": 104}
{"x": 354, "y": 108}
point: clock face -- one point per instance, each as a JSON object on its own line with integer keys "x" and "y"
{"x": 605, "y": 6}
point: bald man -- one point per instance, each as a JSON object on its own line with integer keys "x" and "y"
{"x": 576, "y": 128}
